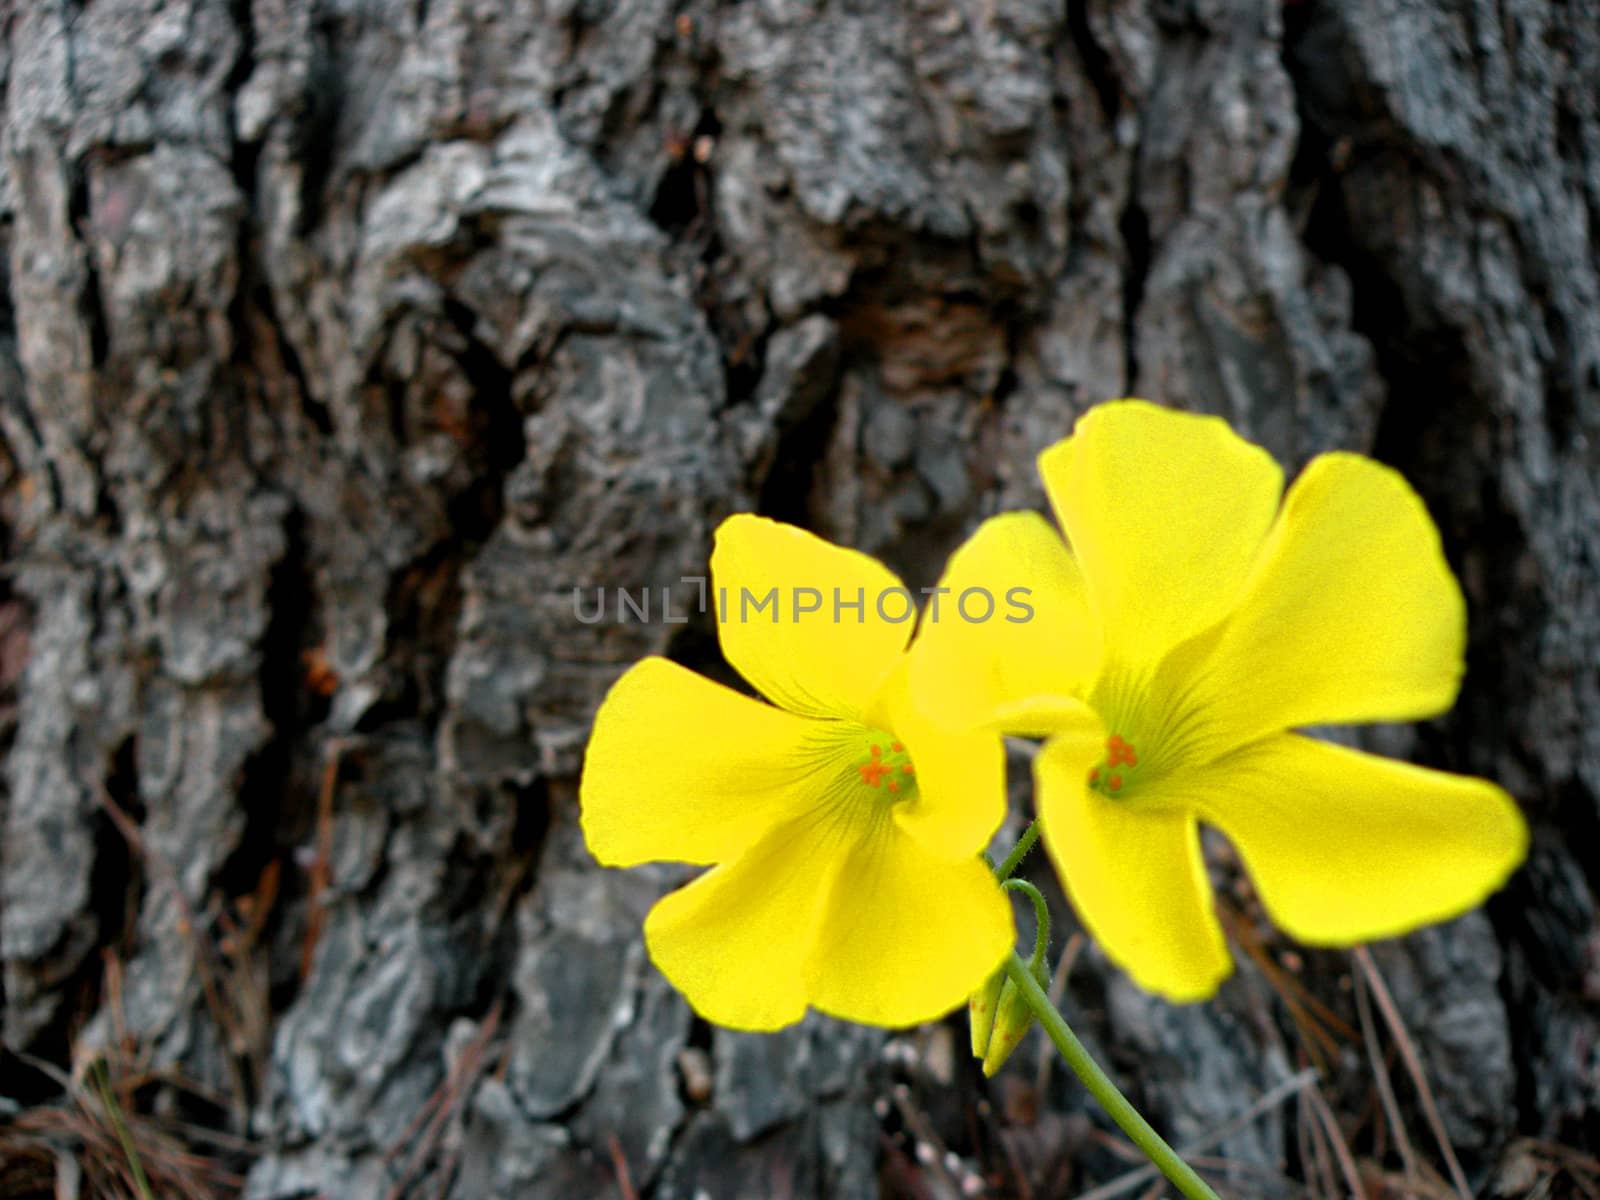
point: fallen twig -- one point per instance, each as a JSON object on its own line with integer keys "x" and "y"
{"x": 1408, "y": 1053}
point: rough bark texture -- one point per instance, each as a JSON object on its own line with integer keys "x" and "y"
{"x": 341, "y": 339}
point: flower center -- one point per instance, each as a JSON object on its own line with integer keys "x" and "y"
{"x": 1118, "y": 769}
{"x": 887, "y": 768}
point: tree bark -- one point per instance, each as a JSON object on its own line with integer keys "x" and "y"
{"x": 341, "y": 342}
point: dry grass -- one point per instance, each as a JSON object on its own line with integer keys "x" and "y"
{"x": 99, "y": 1144}
{"x": 113, "y": 1132}
{"x": 418, "y": 1145}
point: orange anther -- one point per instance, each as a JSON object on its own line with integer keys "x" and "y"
{"x": 907, "y": 769}
{"x": 893, "y": 786}
{"x": 1120, "y": 752}
{"x": 872, "y": 773}
{"x": 897, "y": 747}
{"x": 1094, "y": 775}
{"x": 1115, "y": 782}
{"x": 876, "y": 751}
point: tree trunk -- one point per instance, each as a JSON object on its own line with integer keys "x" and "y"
{"x": 342, "y": 342}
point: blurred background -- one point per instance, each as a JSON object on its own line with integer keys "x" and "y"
{"x": 342, "y": 340}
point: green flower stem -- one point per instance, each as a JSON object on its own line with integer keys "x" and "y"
{"x": 1041, "y": 919}
{"x": 1180, "y": 1173}
{"x": 1030, "y": 835}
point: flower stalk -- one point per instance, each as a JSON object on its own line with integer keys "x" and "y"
{"x": 1024, "y": 1000}
{"x": 1179, "y": 1173}
{"x": 1030, "y": 835}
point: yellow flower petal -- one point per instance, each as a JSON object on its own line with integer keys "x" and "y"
{"x": 1133, "y": 872}
{"x": 736, "y": 941}
{"x": 1345, "y": 847}
{"x": 1039, "y": 646}
{"x": 813, "y": 626}
{"x": 960, "y": 796}
{"x": 907, "y": 935}
{"x": 1165, "y": 512}
{"x": 1352, "y": 614}
{"x": 680, "y": 768}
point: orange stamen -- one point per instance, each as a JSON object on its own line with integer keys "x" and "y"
{"x": 897, "y": 747}
{"x": 1114, "y": 782}
{"x": 872, "y": 773}
{"x": 1120, "y": 753}
{"x": 907, "y": 769}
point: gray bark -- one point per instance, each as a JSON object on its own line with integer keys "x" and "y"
{"x": 340, "y": 340}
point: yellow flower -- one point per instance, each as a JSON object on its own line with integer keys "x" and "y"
{"x": 1191, "y": 626}
{"x": 845, "y": 828}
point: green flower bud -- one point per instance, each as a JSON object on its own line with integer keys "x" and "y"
{"x": 980, "y": 1012}
{"x": 1012, "y": 1019}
